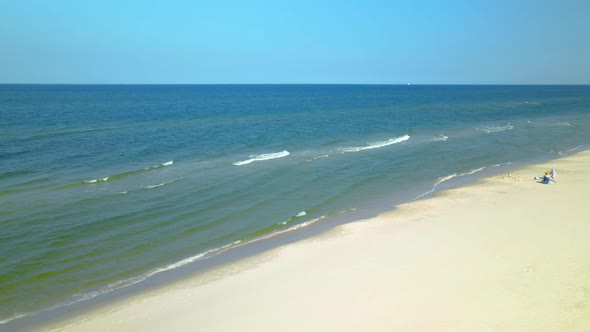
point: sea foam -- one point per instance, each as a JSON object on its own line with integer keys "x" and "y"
{"x": 298, "y": 215}
{"x": 495, "y": 129}
{"x": 106, "y": 178}
{"x": 449, "y": 177}
{"x": 168, "y": 163}
{"x": 440, "y": 138}
{"x": 163, "y": 183}
{"x": 125, "y": 174}
{"x": 376, "y": 145}
{"x": 261, "y": 157}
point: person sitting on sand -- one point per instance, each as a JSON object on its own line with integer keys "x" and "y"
{"x": 553, "y": 174}
{"x": 546, "y": 178}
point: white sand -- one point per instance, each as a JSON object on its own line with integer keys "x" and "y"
{"x": 504, "y": 254}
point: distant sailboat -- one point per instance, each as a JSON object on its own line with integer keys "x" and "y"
{"x": 409, "y": 83}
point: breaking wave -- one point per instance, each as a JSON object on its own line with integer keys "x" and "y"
{"x": 261, "y": 157}
{"x": 125, "y": 174}
{"x": 440, "y": 138}
{"x": 298, "y": 215}
{"x": 376, "y": 145}
{"x": 106, "y": 178}
{"x": 163, "y": 183}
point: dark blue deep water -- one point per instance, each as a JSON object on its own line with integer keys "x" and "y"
{"x": 103, "y": 186}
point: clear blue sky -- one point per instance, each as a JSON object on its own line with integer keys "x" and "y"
{"x": 305, "y": 41}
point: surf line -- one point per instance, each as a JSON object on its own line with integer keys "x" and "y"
{"x": 261, "y": 157}
{"x": 120, "y": 175}
{"x": 376, "y": 145}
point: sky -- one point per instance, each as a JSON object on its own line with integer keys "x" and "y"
{"x": 295, "y": 42}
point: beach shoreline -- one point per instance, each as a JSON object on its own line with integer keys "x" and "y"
{"x": 89, "y": 223}
{"x": 502, "y": 253}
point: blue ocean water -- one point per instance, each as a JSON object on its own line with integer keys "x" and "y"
{"x": 104, "y": 186}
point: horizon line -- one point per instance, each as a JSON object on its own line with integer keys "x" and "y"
{"x": 403, "y": 84}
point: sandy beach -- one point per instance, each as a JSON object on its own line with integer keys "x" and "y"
{"x": 503, "y": 254}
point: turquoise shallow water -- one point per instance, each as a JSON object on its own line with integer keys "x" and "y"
{"x": 103, "y": 186}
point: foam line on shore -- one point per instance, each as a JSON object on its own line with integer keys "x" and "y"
{"x": 430, "y": 257}
{"x": 249, "y": 239}
{"x": 562, "y": 153}
{"x": 449, "y": 177}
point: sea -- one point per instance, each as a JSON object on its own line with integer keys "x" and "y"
{"x": 103, "y": 187}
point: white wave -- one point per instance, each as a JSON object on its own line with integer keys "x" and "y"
{"x": 446, "y": 178}
{"x": 504, "y": 164}
{"x": 565, "y": 124}
{"x": 168, "y": 163}
{"x": 303, "y": 224}
{"x": 376, "y": 145}
{"x": 438, "y": 182}
{"x": 292, "y": 228}
{"x": 129, "y": 173}
{"x": 123, "y": 192}
{"x": 106, "y": 178}
{"x": 348, "y": 210}
{"x": 472, "y": 171}
{"x": 439, "y": 138}
{"x": 163, "y": 183}
{"x": 261, "y": 157}
{"x": 491, "y": 129}
{"x": 192, "y": 258}
{"x": 298, "y": 215}
{"x": 449, "y": 177}
{"x": 17, "y": 316}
